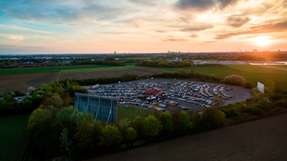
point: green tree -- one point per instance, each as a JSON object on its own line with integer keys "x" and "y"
{"x": 166, "y": 122}
{"x": 138, "y": 125}
{"x": 130, "y": 135}
{"x": 182, "y": 122}
{"x": 111, "y": 136}
{"x": 53, "y": 101}
{"x": 151, "y": 126}
{"x": 209, "y": 119}
{"x": 235, "y": 80}
{"x": 44, "y": 133}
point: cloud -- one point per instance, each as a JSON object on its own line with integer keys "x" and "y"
{"x": 174, "y": 39}
{"x": 144, "y": 2}
{"x": 15, "y": 38}
{"x": 270, "y": 27}
{"x": 237, "y": 20}
{"x": 59, "y": 10}
{"x": 196, "y": 27}
{"x": 202, "y": 4}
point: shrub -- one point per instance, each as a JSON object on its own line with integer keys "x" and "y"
{"x": 151, "y": 127}
{"x": 182, "y": 122}
{"x": 209, "y": 119}
{"x": 87, "y": 135}
{"x": 39, "y": 117}
{"x": 235, "y": 80}
{"x": 111, "y": 136}
{"x": 44, "y": 134}
{"x": 166, "y": 122}
{"x": 138, "y": 125}
{"x": 253, "y": 110}
{"x": 130, "y": 135}
{"x": 52, "y": 101}
{"x": 232, "y": 110}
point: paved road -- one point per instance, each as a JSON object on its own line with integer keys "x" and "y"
{"x": 261, "y": 140}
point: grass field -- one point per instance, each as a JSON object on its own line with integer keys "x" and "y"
{"x": 11, "y": 135}
{"x": 131, "y": 113}
{"x": 272, "y": 76}
{"x": 57, "y": 69}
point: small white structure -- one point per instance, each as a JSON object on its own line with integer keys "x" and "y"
{"x": 260, "y": 87}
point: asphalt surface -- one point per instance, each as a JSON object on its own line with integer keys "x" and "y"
{"x": 261, "y": 140}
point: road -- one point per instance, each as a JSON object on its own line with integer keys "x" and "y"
{"x": 261, "y": 140}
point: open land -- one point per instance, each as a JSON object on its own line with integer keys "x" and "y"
{"x": 272, "y": 76}
{"x": 23, "y": 80}
{"x": 261, "y": 140}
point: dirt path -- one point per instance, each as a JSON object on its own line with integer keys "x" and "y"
{"x": 262, "y": 140}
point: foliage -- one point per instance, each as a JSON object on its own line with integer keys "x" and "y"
{"x": 208, "y": 119}
{"x": 182, "y": 122}
{"x": 111, "y": 136}
{"x": 235, "y": 80}
{"x": 166, "y": 120}
{"x": 53, "y": 101}
{"x": 151, "y": 126}
{"x": 165, "y": 63}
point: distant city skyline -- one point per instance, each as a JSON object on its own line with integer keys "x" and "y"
{"x": 130, "y": 26}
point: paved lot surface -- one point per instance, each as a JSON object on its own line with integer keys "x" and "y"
{"x": 262, "y": 140}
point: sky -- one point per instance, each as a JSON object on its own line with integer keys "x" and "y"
{"x": 95, "y": 26}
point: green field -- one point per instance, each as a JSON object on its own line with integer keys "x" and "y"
{"x": 272, "y": 76}
{"x": 11, "y": 135}
{"x": 57, "y": 69}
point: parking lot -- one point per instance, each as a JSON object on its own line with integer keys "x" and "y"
{"x": 163, "y": 93}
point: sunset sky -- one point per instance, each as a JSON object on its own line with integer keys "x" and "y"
{"x": 142, "y": 25}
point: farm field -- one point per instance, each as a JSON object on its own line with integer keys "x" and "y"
{"x": 22, "y": 81}
{"x": 272, "y": 76}
{"x": 12, "y": 131}
{"x": 57, "y": 69}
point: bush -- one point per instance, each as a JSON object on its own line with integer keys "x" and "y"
{"x": 130, "y": 135}
{"x": 44, "y": 134}
{"x": 231, "y": 111}
{"x": 151, "y": 127}
{"x": 209, "y": 119}
{"x": 53, "y": 101}
{"x": 235, "y": 80}
{"x": 138, "y": 125}
{"x": 167, "y": 123}
{"x": 111, "y": 136}
{"x": 253, "y": 110}
{"x": 182, "y": 122}
{"x": 87, "y": 135}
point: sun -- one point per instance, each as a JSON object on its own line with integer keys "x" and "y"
{"x": 263, "y": 41}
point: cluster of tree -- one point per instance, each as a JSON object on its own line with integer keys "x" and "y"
{"x": 236, "y": 80}
{"x": 165, "y": 63}
{"x": 232, "y": 79}
{"x": 62, "y": 91}
{"x": 70, "y": 134}
{"x": 260, "y": 105}
{"x": 110, "y": 62}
